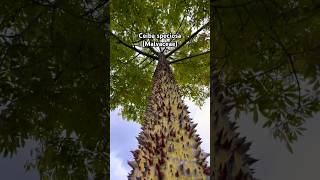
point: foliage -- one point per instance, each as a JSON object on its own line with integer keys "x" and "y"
{"x": 52, "y": 90}
{"x": 268, "y": 51}
{"x": 131, "y": 73}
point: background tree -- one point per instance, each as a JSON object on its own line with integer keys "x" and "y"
{"x": 264, "y": 58}
{"x": 52, "y": 86}
{"x": 269, "y": 60}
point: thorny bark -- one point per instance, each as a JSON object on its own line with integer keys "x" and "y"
{"x": 169, "y": 147}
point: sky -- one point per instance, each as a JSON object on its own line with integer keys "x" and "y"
{"x": 275, "y": 161}
{"x": 12, "y": 168}
{"x": 123, "y": 138}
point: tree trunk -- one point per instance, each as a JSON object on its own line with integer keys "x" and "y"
{"x": 230, "y": 160}
{"x": 168, "y": 144}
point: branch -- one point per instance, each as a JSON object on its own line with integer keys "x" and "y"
{"x": 270, "y": 69}
{"x": 234, "y": 5}
{"x": 29, "y": 25}
{"x": 135, "y": 31}
{"x": 176, "y": 30}
{"x": 133, "y": 48}
{"x": 146, "y": 65}
{"x": 134, "y": 57}
{"x": 187, "y": 40}
{"x": 103, "y": 3}
{"x": 153, "y": 50}
{"x": 142, "y": 61}
{"x": 277, "y": 39}
{"x": 228, "y": 43}
{"x": 294, "y": 71}
{"x": 55, "y": 5}
{"x": 189, "y": 57}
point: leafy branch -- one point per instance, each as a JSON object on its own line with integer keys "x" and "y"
{"x": 189, "y": 57}
{"x": 277, "y": 39}
{"x": 183, "y": 19}
{"x": 187, "y": 40}
{"x": 133, "y": 48}
{"x": 234, "y": 5}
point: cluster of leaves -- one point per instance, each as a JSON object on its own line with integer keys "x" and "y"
{"x": 131, "y": 72}
{"x": 268, "y": 52}
{"x": 52, "y": 81}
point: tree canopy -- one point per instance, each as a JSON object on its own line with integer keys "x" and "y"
{"x": 52, "y": 85}
{"x": 268, "y": 52}
{"x": 131, "y": 71}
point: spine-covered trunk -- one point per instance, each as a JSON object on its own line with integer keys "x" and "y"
{"x": 169, "y": 147}
{"x": 230, "y": 160}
